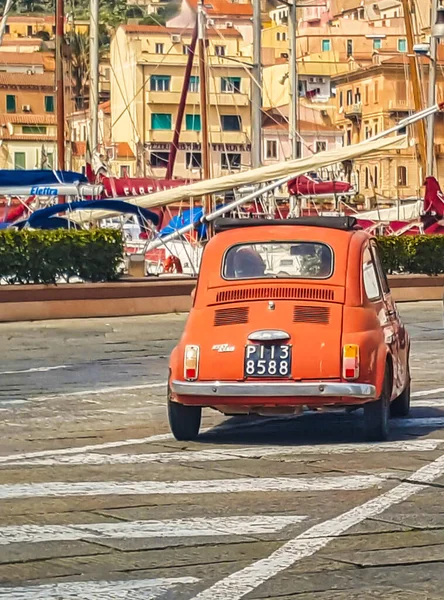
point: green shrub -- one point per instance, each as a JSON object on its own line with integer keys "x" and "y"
{"x": 50, "y": 256}
{"x": 419, "y": 254}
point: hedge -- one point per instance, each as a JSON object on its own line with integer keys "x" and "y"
{"x": 419, "y": 254}
{"x": 38, "y": 256}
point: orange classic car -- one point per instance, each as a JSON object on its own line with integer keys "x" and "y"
{"x": 290, "y": 315}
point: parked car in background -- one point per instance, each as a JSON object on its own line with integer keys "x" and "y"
{"x": 290, "y": 315}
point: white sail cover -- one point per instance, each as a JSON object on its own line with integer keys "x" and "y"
{"x": 291, "y": 168}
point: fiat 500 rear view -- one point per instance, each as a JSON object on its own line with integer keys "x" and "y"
{"x": 289, "y": 316}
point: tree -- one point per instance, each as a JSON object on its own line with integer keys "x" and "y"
{"x": 77, "y": 46}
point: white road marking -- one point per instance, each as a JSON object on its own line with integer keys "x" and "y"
{"x": 140, "y": 589}
{"x": 94, "y": 458}
{"x": 216, "y": 486}
{"x": 105, "y": 390}
{"x": 36, "y": 370}
{"x": 430, "y": 403}
{"x": 173, "y": 528}
{"x": 243, "y": 582}
{"x": 426, "y": 393}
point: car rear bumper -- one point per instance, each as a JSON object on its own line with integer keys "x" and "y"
{"x": 267, "y": 389}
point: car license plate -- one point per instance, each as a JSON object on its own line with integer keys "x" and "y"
{"x": 265, "y": 360}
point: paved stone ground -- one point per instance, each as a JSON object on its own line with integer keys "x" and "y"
{"x": 98, "y": 502}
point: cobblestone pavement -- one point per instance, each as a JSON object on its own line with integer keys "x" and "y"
{"x": 98, "y": 502}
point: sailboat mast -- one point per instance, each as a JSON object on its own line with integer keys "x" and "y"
{"x": 416, "y": 86}
{"x": 256, "y": 90}
{"x": 203, "y": 101}
{"x": 60, "y": 88}
{"x": 432, "y": 91}
{"x": 94, "y": 74}
{"x": 294, "y": 83}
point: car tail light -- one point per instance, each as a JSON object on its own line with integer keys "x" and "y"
{"x": 191, "y": 362}
{"x": 350, "y": 361}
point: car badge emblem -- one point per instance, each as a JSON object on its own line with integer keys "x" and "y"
{"x": 223, "y": 348}
{"x": 271, "y": 305}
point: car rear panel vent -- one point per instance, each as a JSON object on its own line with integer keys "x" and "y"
{"x": 311, "y": 314}
{"x": 231, "y": 316}
{"x": 275, "y": 293}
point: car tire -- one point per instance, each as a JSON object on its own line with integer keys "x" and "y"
{"x": 376, "y": 414}
{"x": 400, "y": 407}
{"x": 184, "y": 420}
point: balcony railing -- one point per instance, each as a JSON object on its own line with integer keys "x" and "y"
{"x": 354, "y": 111}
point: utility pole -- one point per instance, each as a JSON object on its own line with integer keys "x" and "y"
{"x": 416, "y": 86}
{"x": 94, "y": 75}
{"x": 60, "y": 88}
{"x": 432, "y": 90}
{"x": 256, "y": 89}
{"x": 294, "y": 80}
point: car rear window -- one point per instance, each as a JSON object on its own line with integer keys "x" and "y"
{"x": 306, "y": 260}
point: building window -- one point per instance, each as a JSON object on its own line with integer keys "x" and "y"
{"x": 231, "y": 161}
{"x": 402, "y": 45}
{"x": 192, "y": 123}
{"x": 402, "y": 176}
{"x": 194, "y": 160}
{"x": 341, "y": 99}
{"x": 50, "y": 157}
{"x": 278, "y": 36}
{"x": 159, "y": 48}
{"x": 358, "y": 96}
{"x": 231, "y": 122}
{"x": 29, "y": 30}
{"x": 7, "y": 29}
{"x": 220, "y": 50}
{"x": 375, "y": 128}
{"x": 375, "y": 177}
{"x": 367, "y": 131}
{"x": 159, "y": 159}
{"x": 377, "y": 44}
{"x": 19, "y": 160}
{"x": 349, "y": 137}
{"x": 321, "y": 146}
{"x": 349, "y": 47}
{"x": 34, "y": 130}
{"x": 376, "y": 91}
{"x": 49, "y": 104}
{"x": 194, "y": 84}
{"x": 125, "y": 171}
{"x": 161, "y": 121}
{"x": 349, "y": 97}
{"x": 271, "y": 149}
{"x": 186, "y": 49}
{"x": 366, "y": 94}
{"x": 326, "y": 45}
{"x": 11, "y": 103}
{"x": 284, "y": 36}
{"x": 160, "y": 83}
{"x": 367, "y": 178}
{"x": 230, "y": 85}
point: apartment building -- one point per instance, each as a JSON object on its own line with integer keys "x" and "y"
{"x": 147, "y": 75}
{"x": 371, "y": 100}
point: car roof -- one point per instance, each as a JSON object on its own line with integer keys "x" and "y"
{"x": 338, "y": 223}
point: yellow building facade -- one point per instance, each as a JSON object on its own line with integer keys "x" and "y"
{"x": 147, "y": 74}
{"x": 374, "y": 99}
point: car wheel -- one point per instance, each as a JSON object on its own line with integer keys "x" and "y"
{"x": 376, "y": 414}
{"x": 184, "y": 420}
{"x": 400, "y": 407}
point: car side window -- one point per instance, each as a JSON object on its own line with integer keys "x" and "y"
{"x": 382, "y": 276}
{"x": 370, "y": 276}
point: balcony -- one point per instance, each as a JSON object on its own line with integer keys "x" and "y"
{"x": 215, "y": 99}
{"x": 353, "y": 112}
{"x": 398, "y": 107}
